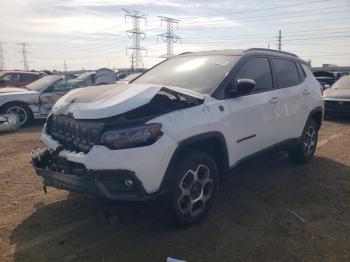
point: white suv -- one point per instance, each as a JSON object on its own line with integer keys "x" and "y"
{"x": 176, "y": 130}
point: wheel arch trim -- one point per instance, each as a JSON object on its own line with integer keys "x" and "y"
{"x": 195, "y": 140}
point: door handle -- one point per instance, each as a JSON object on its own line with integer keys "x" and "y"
{"x": 306, "y": 92}
{"x": 274, "y": 100}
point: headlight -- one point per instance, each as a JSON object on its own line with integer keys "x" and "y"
{"x": 132, "y": 137}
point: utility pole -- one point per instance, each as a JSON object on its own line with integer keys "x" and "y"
{"x": 2, "y": 60}
{"x": 24, "y": 55}
{"x": 279, "y": 39}
{"x": 136, "y": 35}
{"x": 169, "y": 37}
{"x": 65, "y": 67}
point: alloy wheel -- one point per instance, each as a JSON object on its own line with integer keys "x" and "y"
{"x": 310, "y": 140}
{"x": 196, "y": 189}
{"x": 21, "y": 112}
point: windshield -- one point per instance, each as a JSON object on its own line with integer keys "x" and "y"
{"x": 342, "y": 83}
{"x": 42, "y": 83}
{"x": 201, "y": 74}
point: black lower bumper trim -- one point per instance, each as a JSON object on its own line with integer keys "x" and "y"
{"x": 106, "y": 184}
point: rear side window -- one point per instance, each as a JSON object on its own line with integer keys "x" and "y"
{"x": 286, "y": 72}
{"x": 29, "y": 77}
{"x": 259, "y": 70}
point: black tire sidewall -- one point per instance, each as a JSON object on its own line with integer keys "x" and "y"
{"x": 189, "y": 160}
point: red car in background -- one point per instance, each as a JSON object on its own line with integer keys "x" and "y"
{"x": 18, "y": 78}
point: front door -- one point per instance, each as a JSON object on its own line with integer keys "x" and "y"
{"x": 49, "y": 97}
{"x": 252, "y": 122}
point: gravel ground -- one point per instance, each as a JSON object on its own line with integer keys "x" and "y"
{"x": 267, "y": 210}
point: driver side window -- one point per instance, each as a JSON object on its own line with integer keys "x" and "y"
{"x": 60, "y": 86}
{"x": 258, "y": 69}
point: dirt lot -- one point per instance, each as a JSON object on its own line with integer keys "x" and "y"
{"x": 252, "y": 219}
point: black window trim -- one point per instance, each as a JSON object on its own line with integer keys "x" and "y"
{"x": 302, "y": 74}
{"x": 233, "y": 78}
{"x": 274, "y": 70}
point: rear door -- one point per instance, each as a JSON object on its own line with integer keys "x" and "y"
{"x": 291, "y": 82}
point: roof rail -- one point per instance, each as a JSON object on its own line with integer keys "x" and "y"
{"x": 270, "y": 50}
{"x": 185, "y": 53}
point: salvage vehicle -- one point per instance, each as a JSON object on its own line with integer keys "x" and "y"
{"x": 337, "y": 98}
{"x": 35, "y": 100}
{"x": 175, "y": 131}
{"x": 18, "y": 78}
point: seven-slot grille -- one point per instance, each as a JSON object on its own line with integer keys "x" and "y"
{"x": 75, "y": 135}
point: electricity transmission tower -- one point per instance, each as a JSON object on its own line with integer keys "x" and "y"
{"x": 169, "y": 37}
{"x": 2, "y": 60}
{"x": 24, "y": 55}
{"x": 279, "y": 39}
{"x": 136, "y": 35}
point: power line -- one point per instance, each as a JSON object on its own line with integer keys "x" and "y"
{"x": 137, "y": 35}
{"x": 169, "y": 37}
{"x": 270, "y": 17}
{"x": 257, "y": 10}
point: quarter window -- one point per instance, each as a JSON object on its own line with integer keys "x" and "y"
{"x": 301, "y": 72}
{"x": 286, "y": 73}
{"x": 259, "y": 70}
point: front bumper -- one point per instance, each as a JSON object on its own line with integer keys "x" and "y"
{"x": 110, "y": 185}
{"x": 339, "y": 107}
{"x": 148, "y": 163}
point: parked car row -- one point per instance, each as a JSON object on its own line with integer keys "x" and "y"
{"x": 35, "y": 100}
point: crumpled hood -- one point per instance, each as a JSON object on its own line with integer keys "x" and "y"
{"x": 337, "y": 93}
{"x": 14, "y": 90}
{"x": 109, "y": 100}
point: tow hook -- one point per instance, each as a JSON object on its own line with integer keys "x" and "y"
{"x": 40, "y": 157}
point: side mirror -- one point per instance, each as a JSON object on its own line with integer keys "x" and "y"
{"x": 244, "y": 86}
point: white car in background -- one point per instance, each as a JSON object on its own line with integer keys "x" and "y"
{"x": 176, "y": 130}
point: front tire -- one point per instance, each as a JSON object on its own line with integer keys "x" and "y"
{"x": 307, "y": 146}
{"x": 22, "y": 110}
{"x": 191, "y": 188}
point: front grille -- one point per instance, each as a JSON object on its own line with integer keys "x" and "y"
{"x": 75, "y": 135}
{"x": 337, "y": 106}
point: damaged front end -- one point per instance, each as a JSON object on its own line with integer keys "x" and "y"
{"x": 126, "y": 130}
{"x": 81, "y": 135}
{"x": 110, "y": 185}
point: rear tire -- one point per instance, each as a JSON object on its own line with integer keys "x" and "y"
{"x": 23, "y": 111}
{"x": 307, "y": 146}
{"x": 191, "y": 187}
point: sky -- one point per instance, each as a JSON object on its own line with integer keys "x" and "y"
{"x": 89, "y": 34}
